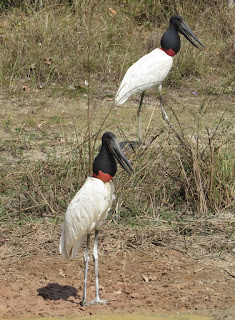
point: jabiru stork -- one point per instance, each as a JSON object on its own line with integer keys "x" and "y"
{"x": 89, "y": 208}
{"x": 152, "y": 69}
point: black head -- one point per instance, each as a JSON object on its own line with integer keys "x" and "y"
{"x": 178, "y": 22}
{"x": 170, "y": 41}
{"x": 105, "y": 161}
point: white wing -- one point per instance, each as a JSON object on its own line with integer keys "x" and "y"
{"x": 148, "y": 71}
{"x": 85, "y": 213}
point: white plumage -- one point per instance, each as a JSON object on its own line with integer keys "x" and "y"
{"x": 85, "y": 214}
{"x": 89, "y": 208}
{"x": 148, "y": 71}
{"x": 153, "y": 68}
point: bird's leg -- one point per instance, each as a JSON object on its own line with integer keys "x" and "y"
{"x": 95, "y": 258}
{"x": 138, "y": 115}
{"x": 164, "y": 115}
{"x": 86, "y": 261}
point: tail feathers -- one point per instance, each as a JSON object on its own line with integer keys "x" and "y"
{"x": 68, "y": 247}
{"x": 122, "y": 97}
{"x": 120, "y": 102}
{"x": 124, "y": 93}
{"x": 69, "y": 252}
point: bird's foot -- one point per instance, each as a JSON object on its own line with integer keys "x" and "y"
{"x": 98, "y": 301}
{"x": 84, "y": 303}
{"x": 95, "y": 301}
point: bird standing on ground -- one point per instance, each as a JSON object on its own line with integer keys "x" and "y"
{"x": 152, "y": 68}
{"x": 89, "y": 208}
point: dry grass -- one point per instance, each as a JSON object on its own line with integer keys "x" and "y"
{"x": 192, "y": 172}
{"x": 201, "y": 238}
{"x": 197, "y": 175}
{"x": 59, "y": 46}
{"x": 52, "y": 44}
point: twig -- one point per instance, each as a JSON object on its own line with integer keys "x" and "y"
{"x": 20, "y": 254}
{"x": 198, "y": 270}
{"x": 230, "y": 273}
{"x": 213, "y": 135}
{"x": 150, "y": 119}
{"x": 20, "y": 210}
{"x": 101, "y": 125}
{"x": 165, "y": 117}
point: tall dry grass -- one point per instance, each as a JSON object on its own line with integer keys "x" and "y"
{"x": 191, "y": 174}
{"x": 51, "y": 44}
{"x": 70, "y": 42}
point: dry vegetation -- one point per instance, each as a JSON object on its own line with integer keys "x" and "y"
{"x": 52, "y": 49}
{"x": 173, "y": 218}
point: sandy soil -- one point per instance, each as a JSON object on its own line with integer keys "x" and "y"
{"x": 147, "y": 270}
{"x": 152, "y": 269}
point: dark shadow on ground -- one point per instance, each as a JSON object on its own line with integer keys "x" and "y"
{"x": 54, "y": 291}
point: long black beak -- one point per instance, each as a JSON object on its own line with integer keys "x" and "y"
{"x": 116, "y": 151}
{"x": 186, "y": 31}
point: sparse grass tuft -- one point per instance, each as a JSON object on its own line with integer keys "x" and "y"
{"x": 47, "y": 47}
{"x": 51, "y": 44}
{"x": 193, "y": 171}
{"x": 46, "y": 188}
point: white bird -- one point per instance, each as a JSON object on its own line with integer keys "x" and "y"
{"x": 152, "y": 69}
{"x": 89, "y": 208}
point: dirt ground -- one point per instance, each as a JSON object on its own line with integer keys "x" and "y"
{"x": 148, "y": 270}
{"x": 151, "y": 270}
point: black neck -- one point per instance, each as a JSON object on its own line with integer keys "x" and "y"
{"x": 105, "y": 162}
{"x": 171, "y": 39}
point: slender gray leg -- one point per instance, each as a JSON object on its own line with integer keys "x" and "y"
{"x": 95, "y": 258}
{"x": 164, "y": 115}
{"x": 86, "y": 261}
{"x": 138, "y": 115}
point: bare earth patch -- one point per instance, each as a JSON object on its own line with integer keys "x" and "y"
{"x": 156, "y": 268}
{"x": 148, "y": 270}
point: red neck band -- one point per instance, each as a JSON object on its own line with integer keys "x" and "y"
{"x": 105, "y": 177}
{"x": 170, "y": 52}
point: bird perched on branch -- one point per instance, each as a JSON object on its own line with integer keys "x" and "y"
{"x": 89, "y": 208}
{"x": 152, "y": 69}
